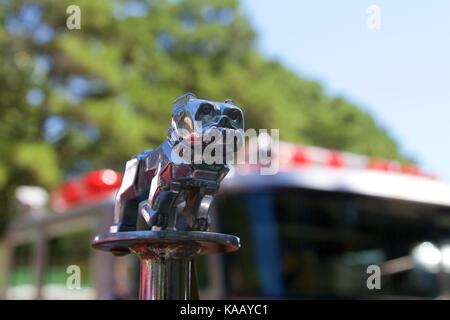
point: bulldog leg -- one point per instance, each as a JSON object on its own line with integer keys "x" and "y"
{"x": 127, "y": 200}
{"x": 164, "y": 210}
{"x": 201, "y": 218}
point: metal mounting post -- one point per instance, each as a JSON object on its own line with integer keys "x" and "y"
{"x": 167, "y": 258}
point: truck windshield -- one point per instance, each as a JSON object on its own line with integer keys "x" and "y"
{"x": 303, "y": 243}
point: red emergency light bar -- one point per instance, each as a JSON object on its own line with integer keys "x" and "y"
{"x": 335, "y": 159}
{"x": 92, "y": 186}
{"x": 300, "y": 157}
{"x": 291, "y": 156}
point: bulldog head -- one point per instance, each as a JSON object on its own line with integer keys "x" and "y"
{"x": 203, "y": 122}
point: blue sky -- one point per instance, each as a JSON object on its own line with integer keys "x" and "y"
{"x": 399, "y": 73}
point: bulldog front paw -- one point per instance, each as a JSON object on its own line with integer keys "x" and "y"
{"x": 151, "y": 217}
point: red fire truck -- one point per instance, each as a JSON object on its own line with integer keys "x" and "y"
{"x": 312, "y": 230}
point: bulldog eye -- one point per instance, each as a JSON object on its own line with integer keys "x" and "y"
{"x": 234, "y": 114}
{"x": 206, "y": 109}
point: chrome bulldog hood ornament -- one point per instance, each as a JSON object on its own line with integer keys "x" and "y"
{"x": 172, "y": 187}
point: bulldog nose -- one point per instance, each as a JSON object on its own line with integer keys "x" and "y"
{"x": 225, "y": 122}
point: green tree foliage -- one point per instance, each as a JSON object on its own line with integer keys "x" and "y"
{"x": 72, "y": 100}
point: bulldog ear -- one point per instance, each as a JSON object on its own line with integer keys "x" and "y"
{"x": 230, "y": 101}
{"x": 182, "y": 100}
